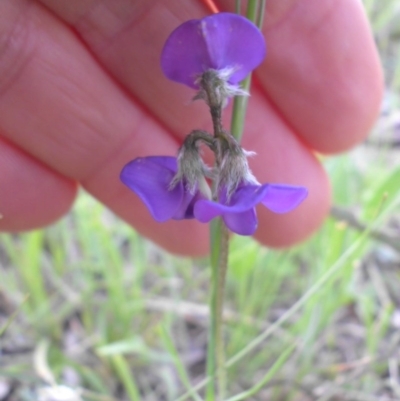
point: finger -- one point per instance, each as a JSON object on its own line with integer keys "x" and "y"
{"x": 111, "y": 27}
{"x": 137, "y": 67}
{"x": 31, "y": 195}
{"x": 322, "y": 70}
{"x": 57, "y": 104}
{"x": 283, "y": 159}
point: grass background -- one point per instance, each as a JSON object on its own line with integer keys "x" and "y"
{"x": 89, "y": 310}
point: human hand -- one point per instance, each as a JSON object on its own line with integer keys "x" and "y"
{"x": 82, "y": 93}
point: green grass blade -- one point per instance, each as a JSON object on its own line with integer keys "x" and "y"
{"x": 268, "y": 376}
{"x": 180, "y": 367}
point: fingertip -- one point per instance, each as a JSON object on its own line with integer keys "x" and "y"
{"x": 282, "y": 231}
{"x": 32, "y": 195}
{"x": 323, "y": 72}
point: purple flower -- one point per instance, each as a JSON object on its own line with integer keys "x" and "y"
{"x": 239, "y": 214}
{"x": 150, "y": 178}
{"x": 223, "y": 42}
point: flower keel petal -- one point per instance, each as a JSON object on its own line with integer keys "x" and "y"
{"x": 244, "y": 223}
{"x": 205, "y": 210}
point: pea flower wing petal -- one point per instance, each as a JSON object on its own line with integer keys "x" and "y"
{"x": 149, "y": 178}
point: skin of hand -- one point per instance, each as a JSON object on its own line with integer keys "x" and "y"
{"x": 82, "y": 93}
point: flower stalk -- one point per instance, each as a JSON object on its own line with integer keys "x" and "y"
{"x": 216, "y": 346}
{"x": 212, "y": 55}
{"x": 219, "y": 245}
{"x": 240, "y": 102}
{"x": 219, "y": 306}
{"x": 219, "y": 236}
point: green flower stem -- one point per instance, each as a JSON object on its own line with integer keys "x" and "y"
{"x": 240, "y": 102}
{"x": 219, "y": 238}
{"x": 261, "y": 14}
{"x": 219, "y": 307}
{"x": 239, "y": 111}
{"x": 252, "y": 10}
{"x": 237, "y": 6}
{"x": 215, "y": 243}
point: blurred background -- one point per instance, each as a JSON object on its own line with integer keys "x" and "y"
{"x": 89, "y": 310}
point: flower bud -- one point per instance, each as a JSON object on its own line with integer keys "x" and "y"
{"x": 234, "y": 169}
{"x": 191, "y": 168}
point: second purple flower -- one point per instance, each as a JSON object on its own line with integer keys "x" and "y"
{"x": 150, "y": 178}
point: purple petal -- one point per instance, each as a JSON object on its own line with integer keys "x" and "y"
{"x": 149, "y": 178}
{"x": 283, "y": 198}
{"x": 205, "y": 210}
{"x": 185, "y": 55}
{"x": 233, "y": 41}
{"x": 244, "y": 199}
{"x": 239, "y": 213}
{"x": 185, "y": 210}
{"x": 219, "y": 41}
{"x": 188, "y": 205}
{"x": 244, "y": 223}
